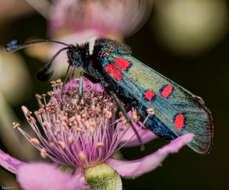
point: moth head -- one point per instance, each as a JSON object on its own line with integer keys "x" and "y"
{"x": 74, "y": 56}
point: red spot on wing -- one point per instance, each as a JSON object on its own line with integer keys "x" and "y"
{"x": 179, "y": 121}
{"x": 166, "y": 91}
{"x": 149, "y": 95}
{"x": 122, "y": 63}
{"x": 114, "y": 71}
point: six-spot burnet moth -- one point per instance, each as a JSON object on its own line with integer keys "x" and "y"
{"x": 170, "y": 109}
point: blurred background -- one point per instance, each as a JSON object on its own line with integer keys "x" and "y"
{"x": 185, "y": 40}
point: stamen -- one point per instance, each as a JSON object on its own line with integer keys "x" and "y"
{"x": 135, "y": 116}
{"x": 99, "y": 145}
{"x": 35, "y": 141}
{"x": 91, "y": 130}
{"x": 31, "y": 120}
{"x": 26, "y": 111}
{"x": 46, "y": 125}
{"x": 51, "y": 144}
{"x": 108, "y": 114}
{"x": 56, "y": 132}
{"x": 50, "y": 93}
{"x": 16, "y": 125}
{"x": 64, "y": 127}
{"x": 70, "y": 139}
{"x": 122, "y": 118}
{"x": 43, "y": 153}
{"x": 82, "y": 156}
{"x": 61, "y": 144}
{"x": 38, "y": 97}
{"x": 86, "y": 131}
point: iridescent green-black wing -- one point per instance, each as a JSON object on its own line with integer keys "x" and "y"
{"x": 177, "y": 108}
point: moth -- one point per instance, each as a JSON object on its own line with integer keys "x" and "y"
{"x": 170, "y": 110}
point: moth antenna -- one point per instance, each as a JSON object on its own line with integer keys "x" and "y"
{"x": 91, "y": 45}
{"x": 14, "y": 46}
{"x": 45, "y": 74}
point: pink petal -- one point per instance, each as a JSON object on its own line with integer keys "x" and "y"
{"x": 115, "y": 17}
{"x": 9, "y": 163}
{"x": 130, "y": 139}
{"x": 88, "y": 86}
{"x": 43, "y": 176}
{"x": 150, "y": 162}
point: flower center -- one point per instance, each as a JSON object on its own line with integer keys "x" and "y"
{"x": 72, "y": 133}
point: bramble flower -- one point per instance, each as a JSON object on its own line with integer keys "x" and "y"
{"x": 80, "y": 139}
{"x": 121, "y": 17}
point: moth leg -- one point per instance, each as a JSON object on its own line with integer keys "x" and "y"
{"x": 68, "y": 76}
{"x": 66, "y": 79}
{"x": 150, "y": 112}
{"x": 127, "y": 119}
{"x": 80, "y": 87}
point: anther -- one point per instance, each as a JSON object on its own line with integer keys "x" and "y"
{"x": 50, "y": 93}
{"x": 107, "y": 114}
{"x": 58, "y": 81}
{"x": 16, "y": 125}
{"x": 82, "y": 156}
{"x": 38, "y": 96}
{"x": 51, "y": 144}
{"x": 26, "y": 111}
{"x": 99, "y": 145}
{"x": 31, "y": 120}
{"x": 43, "y": 153}
{"x": 35, "y": 141}
{"x": 135, "y": 115}
{"x": 57, "y": 132}
{"x": 70, "y": 139}
{"x": 52, "y": 82}
{"x": 61, "y": 144}
{"x": 41, "y": 105}
{"x": 46, "y": 125}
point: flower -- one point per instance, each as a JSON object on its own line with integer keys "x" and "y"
{"x": 80, "y": 138}
{"x": 121, "y": 17}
